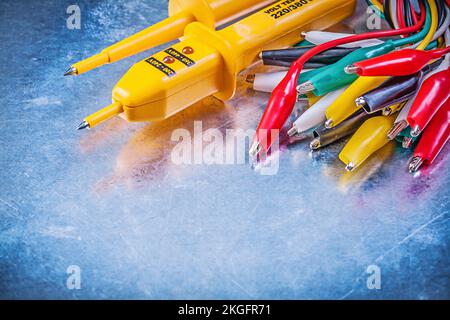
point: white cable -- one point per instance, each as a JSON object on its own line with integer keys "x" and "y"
{"x": 267, "y": 81}
{"x": 315, "y": 115}
{"x": 393, "y": 9}
{"x": 319, "y": 37}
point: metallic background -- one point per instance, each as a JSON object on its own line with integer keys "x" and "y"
{"x": 111, "y": 201}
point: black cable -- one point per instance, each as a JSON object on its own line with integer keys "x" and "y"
{"x": 292, "y": 54}
{"x": 441, "y": 12}
{"x": 287, "y": 64}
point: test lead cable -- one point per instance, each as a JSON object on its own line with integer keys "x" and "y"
{"x": 370, "y": 137}
{"x": 433, "y": 139}
{"x": 400, "y": 63}
{"x": 431, "y": 97}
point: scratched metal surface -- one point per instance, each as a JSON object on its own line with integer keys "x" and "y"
{"x": 111, "y": 201}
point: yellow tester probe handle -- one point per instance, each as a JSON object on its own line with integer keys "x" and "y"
{"x": 206, "y": 62}
{"x": 181, "y": 13}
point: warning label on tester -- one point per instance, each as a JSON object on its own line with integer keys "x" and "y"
{"x": 161, "y": 66}
{"x": 283, "y": 8}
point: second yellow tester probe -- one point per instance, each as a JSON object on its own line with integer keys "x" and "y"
{"x": 206, "y": 62}
{"x": 181, "y": 12}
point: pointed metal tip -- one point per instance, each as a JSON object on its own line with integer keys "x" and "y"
{"x": 250, "y": 78}
{"x": 350, "y": 166}
{"x": 329, "y": 123}
{"x": 396, "y": 129}
{"x": 351, "y": 69}
{"x": 415, "y": 164}
{"x": 71, "y": 72}
{"x": 83, "y": 125}
{"x": 415, "y": 132}
{"x": 254, "y": 149}
{"x": 315, "y": 144}
{"x": 260, "y": 55}
{"x": 292, "y": 131}
{"x": 407, "y": 142}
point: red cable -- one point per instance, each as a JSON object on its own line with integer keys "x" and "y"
{"x": 398, "y": 63}
{"x": 435, "y": 136}
{"x": 400, "y": 14}
{"x": 284, "y": 95}
{"x": 432, "y": 95}
{"x": 413, "y": 14}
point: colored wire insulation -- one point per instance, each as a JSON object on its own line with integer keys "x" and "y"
{"x": 399, "y": 63}
{"x": 315, "y": 115}
{"x": 370, "y": 137}
{"x": 433, "y": 94}
{"x": 400, "y": 14}
{"x": 433, "y": 139}
{"x": 292, "y": 54}
{"x": 320, "y": 37}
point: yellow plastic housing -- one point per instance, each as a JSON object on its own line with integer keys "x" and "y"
{"x": 211, "y": 13}
{"x": 206, "y": 62}
{"x": 371, "y": 136}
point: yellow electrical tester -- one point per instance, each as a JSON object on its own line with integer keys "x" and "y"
{"x": 206, "y": 62}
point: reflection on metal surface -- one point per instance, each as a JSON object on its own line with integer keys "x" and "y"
{"x": 146, "y": 155}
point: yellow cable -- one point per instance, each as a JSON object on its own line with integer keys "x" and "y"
{"x": 434, "y": 24}
{"x": 377, "y": 4}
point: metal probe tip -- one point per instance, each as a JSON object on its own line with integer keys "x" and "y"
{"x": 415, "y": 164}
{"x": 71, "y": 72}
{"x": 305, "y": 87}
{"x": 350, "y": 167}
{"x": 255, "y": 148}
{"x": 387, "y": 111}
{"x": 292, "y": 131}
{"x": 351, "y": 69}
{"x": 83, "y": 125}
{"x": 250, "y": 78}
{"x": 396, "y": 129}
{"x": 407, "y": 142}
{"x": 415, "y": 132}
{"x": 329, "y": 123}
{"x": 315, "y": 144}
